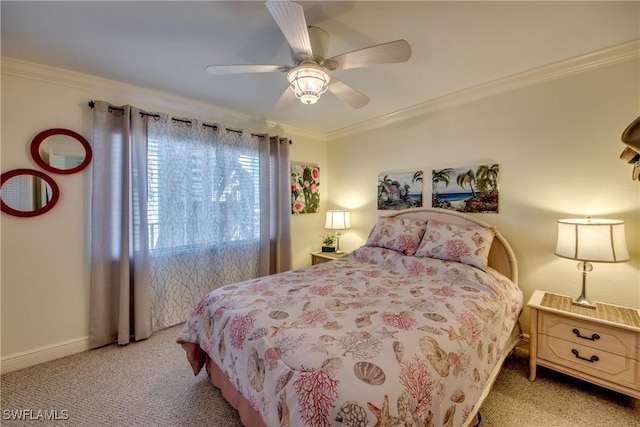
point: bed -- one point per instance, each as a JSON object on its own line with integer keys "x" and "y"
{"x": 410, "y": 329}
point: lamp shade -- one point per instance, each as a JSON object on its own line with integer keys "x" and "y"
{"x": 338, "y": 220}
{"x": 596, "y": 240}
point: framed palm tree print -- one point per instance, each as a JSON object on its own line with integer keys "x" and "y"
{"x": 401, "y": 190}
{"x": 466, "y": 189}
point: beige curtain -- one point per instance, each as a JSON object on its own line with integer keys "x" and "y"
{"x": 275, "y": 249}
{"x": 120, "y": 296}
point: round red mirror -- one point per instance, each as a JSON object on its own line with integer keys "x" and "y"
{"x": 27, "y": 192}
{"x": 61, "y": 151}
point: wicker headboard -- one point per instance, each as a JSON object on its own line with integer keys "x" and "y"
{"x": 501, "y": 256}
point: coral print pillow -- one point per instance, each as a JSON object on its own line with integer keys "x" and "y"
{"x": 465, "y": 244}
{"x": 398, "y": 234}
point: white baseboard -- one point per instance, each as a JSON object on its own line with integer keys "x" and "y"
{"x": 34, "y": 357}
{"x": 524, "y": 341}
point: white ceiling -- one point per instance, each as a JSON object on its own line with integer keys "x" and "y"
{"x": 166, "y": 45}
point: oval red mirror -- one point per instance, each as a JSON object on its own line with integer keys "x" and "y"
{"x": 27, "y": 192}
{"x": 61, "y": 151}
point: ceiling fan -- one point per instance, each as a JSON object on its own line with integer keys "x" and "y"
{"x": 309, "y": 75}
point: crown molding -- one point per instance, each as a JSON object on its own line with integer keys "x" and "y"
{"x": 617, "y": 54}
{"x": 624, "y": 52}
{"x": 146, "y": 96}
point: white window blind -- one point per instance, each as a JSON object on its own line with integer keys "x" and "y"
{"x": 203, "y": 187}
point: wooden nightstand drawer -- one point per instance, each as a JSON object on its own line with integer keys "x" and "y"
{"x": 597, "y": 362}
{"x": 600, "y": 345}
{"x": 589, "y": 334}
{"x": 320, "y": 257}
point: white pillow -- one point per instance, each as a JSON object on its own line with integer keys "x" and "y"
{"x": 466, "y": 244}
{"x": 398, "y": 234}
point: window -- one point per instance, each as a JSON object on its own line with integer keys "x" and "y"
{"x": 203, "y": 187}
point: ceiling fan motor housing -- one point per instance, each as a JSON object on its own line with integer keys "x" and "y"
{"x": 319, "y": 39}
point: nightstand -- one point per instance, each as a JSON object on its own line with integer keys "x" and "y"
{"x": 318, "y": 257}
{"x": 600, "y": 345}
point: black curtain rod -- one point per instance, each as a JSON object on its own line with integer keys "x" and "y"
{"x": 155, "y": 116}
{"x": 262, "y": 136}
{"x": 275, "y": 139}
{"x": 187, "y": 122}
{"x": 112, "y": 108}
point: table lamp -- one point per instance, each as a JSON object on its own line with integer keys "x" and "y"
{"x": 591, "y": 240}
{"x": 338, "y": 220}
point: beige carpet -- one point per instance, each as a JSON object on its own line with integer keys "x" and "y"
{"x": 151, "y": 384}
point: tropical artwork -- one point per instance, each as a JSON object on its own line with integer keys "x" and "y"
{"x": 305, "y": 183}
{"x": 467, "y": 189}
{"x": 400, "y": 190}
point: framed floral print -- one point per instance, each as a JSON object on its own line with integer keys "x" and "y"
{"x": 305, "y": 188}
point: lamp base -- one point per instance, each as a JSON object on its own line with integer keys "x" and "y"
{"x": 583, "y": 301}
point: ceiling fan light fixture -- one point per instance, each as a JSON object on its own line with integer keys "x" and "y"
{"x": 308, "y": 82}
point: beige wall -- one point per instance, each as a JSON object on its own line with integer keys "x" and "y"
{"x": 44, "y": 274}
{"x": 307, "y": 228}
{"x": 557, "y": 145}
{"x": 44, "y": 262}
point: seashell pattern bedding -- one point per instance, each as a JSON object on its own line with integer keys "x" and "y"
{"x": 375, "y": 338}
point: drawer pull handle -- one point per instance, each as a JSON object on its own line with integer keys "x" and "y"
{"x": 593, "y": 358}
{"x": 592, "y": 337}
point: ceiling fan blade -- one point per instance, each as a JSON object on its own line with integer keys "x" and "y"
{"x": 348, "y": 94}
{"x": 290, "y": 18}
{"x": 239, "y": 69}
{"x": 386, "y": 53}
{"x": 286, "y": 99}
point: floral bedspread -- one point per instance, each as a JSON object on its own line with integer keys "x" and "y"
{"x": 373, "y": 338}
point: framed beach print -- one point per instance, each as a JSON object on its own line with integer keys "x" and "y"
{"x": 400, "y": 190}
{"x": 466, "y": 189}
{"x": 305, "y": 188}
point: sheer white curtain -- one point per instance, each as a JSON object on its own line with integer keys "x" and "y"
{"x": 120, "y": 303}
{"x": 205, "y": 212}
